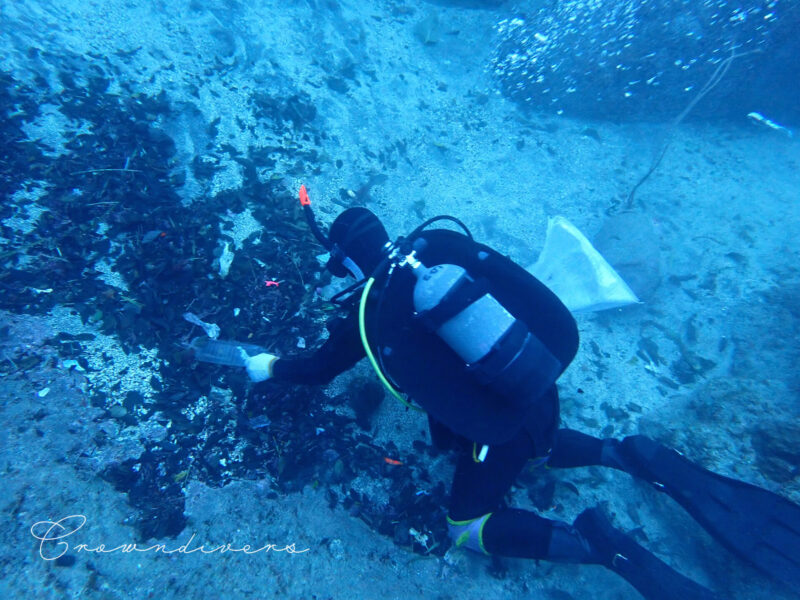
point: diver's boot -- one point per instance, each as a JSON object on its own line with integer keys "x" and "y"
{"x": 652, "y": 578}
{"x": 623, "y": 456}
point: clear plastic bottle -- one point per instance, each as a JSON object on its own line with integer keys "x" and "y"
{"x": 223, "y": 352}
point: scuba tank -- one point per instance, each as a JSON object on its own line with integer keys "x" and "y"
{"x": 472, "y": 332}
{"x": 499, "y": 349}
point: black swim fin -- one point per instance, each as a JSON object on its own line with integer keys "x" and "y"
{"x": 652, "y": 577}
{"x": 760, "y": 527}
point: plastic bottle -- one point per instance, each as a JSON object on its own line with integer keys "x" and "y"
{"x": 223, "y": 352}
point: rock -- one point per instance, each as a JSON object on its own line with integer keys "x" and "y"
{"x": 365, "y": 396}
{"x": 777, "y": 447}
{"x": 65, "y": 560}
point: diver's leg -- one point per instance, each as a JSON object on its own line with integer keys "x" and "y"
{"x": 590, "y": 540}
{"x": 523, "y": 534}
{"x": 479, "y": 487}
{"x": 478, "y": 517}
{"x": 478, "y": 520}
{"x": 575, "y": 449}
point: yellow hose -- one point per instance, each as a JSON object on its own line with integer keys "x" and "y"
{"x": 362, "y": 309}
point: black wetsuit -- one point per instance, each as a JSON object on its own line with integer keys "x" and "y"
{"x": 426, "y": 369}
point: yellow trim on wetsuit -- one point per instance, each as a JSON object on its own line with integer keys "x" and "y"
{"x": 479, "y": 457}
{"x": 468, "y": 529}
{"x": 362, "y": 309}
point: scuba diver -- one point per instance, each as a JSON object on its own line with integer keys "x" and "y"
{"x": 478, "y": 343}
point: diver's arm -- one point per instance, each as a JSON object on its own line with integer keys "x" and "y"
{"x": 340, "y": 352}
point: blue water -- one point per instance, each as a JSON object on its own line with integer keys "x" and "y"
{"x": 647, "y": 60}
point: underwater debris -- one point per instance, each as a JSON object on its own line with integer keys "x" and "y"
{"x": 225, "y": 260}
{"x": 212, "y": 329}
{"x": 759, "y": 118}
{"x": 428, "y": 30}
{"x": 152, "y": 235}
{"x": 118, "y": 411}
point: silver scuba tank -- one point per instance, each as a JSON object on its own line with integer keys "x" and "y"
{"x": 473, "y": 331}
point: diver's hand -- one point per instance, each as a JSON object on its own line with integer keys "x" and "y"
{"x": 259, "y": 367}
